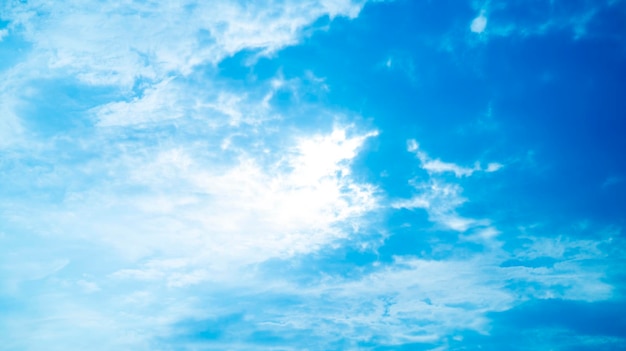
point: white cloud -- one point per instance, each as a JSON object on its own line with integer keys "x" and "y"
{"x": 159, "y": 102}
{"x": 479, "y": 23}
{"x": 412, "y": 145}
{"x": 167, "y": 217}
{"x": 560, "y": 247}
{"x": 575, "y": 19}
{"x": 493, "y": 167}
{"x": 104, "y": 43}
{"x": 436, "y": 166}
{"x": 575, "y": 275}
{"x": 227, "y": 187}
{"x": 440, "y": 200}
{"x": 223, "y": 213}
{"x": 415, "y": 300}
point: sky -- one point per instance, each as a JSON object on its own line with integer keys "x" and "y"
{"x": 312, "y": 175}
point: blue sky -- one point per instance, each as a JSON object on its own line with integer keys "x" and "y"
{"x": 312, "y": 175}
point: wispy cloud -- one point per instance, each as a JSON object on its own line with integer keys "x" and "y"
{"x": 410, "y": 300}
{"x": 552, "y": 16}
{"x": 111, "y": 44}
{"x": 509, "y": 270}
{"x": 435, "y": 166}
{"x": 441, "y": 198}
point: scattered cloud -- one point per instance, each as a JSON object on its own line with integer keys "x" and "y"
{"x": 409, "y": 300}
{"x": 440, "y": 200}
{"x": 175, "y": 208}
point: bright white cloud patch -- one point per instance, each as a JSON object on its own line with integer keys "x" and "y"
{"x": 479, "y": 23}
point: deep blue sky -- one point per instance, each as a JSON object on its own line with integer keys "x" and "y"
{"x": 313, "y": 175}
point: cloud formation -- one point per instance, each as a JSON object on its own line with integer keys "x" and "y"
{"x": 152, "y": 199}
{"x": 116, "y": 44}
